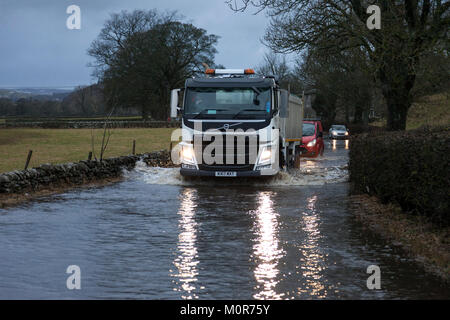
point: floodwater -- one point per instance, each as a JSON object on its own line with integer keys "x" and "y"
{"x": 157, "y": 236}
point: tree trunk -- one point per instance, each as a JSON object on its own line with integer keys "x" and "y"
{"x": 347, "y": 113}
{"x": 397, "y": 92}
{"x": 144, "y": 112}
{"x": 397, "y": 114}
{"x": 358, "y": 114}
{"x": 365, "y": 119}
{"x": 331, "y": 116}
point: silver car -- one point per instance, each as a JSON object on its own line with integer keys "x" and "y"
{"x": 338, "y": 132}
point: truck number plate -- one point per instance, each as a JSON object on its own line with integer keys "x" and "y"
{"x": 226, "y": 174}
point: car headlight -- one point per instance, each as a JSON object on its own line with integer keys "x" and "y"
{"x": 312, "y": 143}
{"x": 333, "y": 133}
{"x": 346, "y": 133}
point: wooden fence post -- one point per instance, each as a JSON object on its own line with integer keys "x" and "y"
{"x": 28, "y": 159}
{"x": 134, "y": 147}
{"x": 90, "y": 156}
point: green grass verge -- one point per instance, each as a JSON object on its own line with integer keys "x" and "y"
{"x": 68, "y": 145}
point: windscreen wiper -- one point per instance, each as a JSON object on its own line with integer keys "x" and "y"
{"x": 204, "y": 110}
{"x": 256, "y": 90}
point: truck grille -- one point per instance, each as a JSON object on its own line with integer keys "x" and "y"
{"x": 238, "y": 154}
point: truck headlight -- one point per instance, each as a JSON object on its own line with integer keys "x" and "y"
{"x": 312, "y": 143}
{"x": 187, "y": 154}
{"x": 266, "y": 155}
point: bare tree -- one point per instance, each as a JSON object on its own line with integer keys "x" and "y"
{"x": 107, "y": 133}
{"x": 274, "y": 64}
{"x": 409, "y": 30}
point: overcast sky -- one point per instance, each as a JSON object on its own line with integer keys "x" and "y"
{"x": 37, "y": 49}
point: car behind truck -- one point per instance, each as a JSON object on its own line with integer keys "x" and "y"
{"x": 236, "y": 123}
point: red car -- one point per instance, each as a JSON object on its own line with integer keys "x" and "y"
{"x": 312, "y": 140}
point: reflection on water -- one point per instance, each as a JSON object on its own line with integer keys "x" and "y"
{"x": 308, "y": 165}
{"x": 334, "y": 144}
{"x": 286, "y": 239}
{"x": 266, "y": 250}
{"x": 312, "y": 261}
{"x": 187, "y": 259}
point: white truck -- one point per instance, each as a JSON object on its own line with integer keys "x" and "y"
{"x": 236, "y": 123}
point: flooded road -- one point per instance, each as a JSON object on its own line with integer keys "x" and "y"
{"x": 157, "y": 236}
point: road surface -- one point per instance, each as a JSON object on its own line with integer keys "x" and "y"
{"x": 157, "y": 236}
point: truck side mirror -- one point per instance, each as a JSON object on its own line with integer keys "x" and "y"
{"x": 174, "y": 105}
{"x": 284, "y": 103}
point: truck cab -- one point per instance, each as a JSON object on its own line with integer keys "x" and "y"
{"x": 232, "y": 124}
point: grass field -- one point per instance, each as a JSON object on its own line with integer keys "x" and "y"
{"x": 68, "y": 145}
{"x": 431, "y": 110}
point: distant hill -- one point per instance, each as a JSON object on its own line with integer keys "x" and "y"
{"x": 84, "y": 101}
{"x": 42, "y": 94}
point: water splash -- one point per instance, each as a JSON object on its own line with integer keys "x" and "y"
{"x": 306, "y": 175}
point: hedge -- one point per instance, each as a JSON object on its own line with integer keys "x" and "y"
{"x": 410, "y": 168}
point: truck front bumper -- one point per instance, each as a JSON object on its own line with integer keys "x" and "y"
{"x": 208, "y": 173}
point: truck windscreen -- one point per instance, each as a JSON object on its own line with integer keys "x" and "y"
{"x": 253, "y": 102}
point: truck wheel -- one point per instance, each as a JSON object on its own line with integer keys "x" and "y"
{"x": 297, "y": 157}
